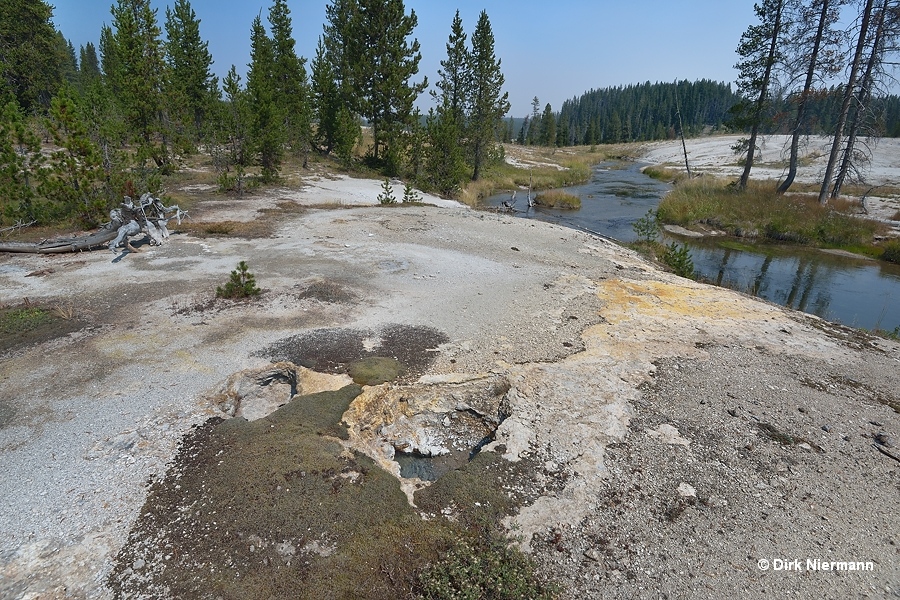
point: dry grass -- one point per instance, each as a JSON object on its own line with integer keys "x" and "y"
{"x": 759, "y": 212}
{"x": 240, "y": 229}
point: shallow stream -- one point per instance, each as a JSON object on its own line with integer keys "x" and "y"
{"x": 853, "y": 291}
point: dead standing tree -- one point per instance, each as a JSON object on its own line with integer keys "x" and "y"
{"x": 811, "y": 49}
{"x": 861, "y": 107}
{"x": 759, "y": 51}
{"x": 845, "y": 105}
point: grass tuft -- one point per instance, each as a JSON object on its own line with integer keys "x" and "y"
{"x": 558, "y": 199}
{"x": 661, "y": 173}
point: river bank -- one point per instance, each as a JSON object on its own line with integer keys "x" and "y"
{"x": 845, "y": 288}
{"x": 714, "y": 156}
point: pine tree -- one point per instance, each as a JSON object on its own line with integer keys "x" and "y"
{"x": 548, "y": 127}
{"x": 819, "y": 17}
{"x": 535, "y": 126}
{"x": 509, "y": 131}
{"x": 337, "y": 126}
{"x": 231, "y": 148}
{"x": 135, "y": 67}
{"x": 102, "y": 113}
{"x": 488, "y": 103}
{"x": 89, "y": 70}
{"x": 446, "y": 163}
{"x": 383, "y": 63}
{"x": 848, "y": 94}
{"x": 20, "y": 153}
{"x": 522, "y": 139}
{"x": 455, "y": 73}
{"x": 862, "y": 112}
{"x": 335, "y": 103}
{"x": 192, "y": 87}
{"x": 266, "y": 131}
{"x": 291, "y": 83}
{"x": 68, "y": 61}
{"x": 325, "y": 98}
{"x": 73, "y": 178}
{"x": 30, "y": 60}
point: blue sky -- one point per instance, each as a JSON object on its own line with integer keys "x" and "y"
{"x": 550, "y": 49}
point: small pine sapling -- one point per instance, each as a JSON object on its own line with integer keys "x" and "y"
{"x": 410, "y": 194}
{"x": 647, "y": 227}
{"x": 678, "y": 257}
{"x": 387, "y": 193}
{"x": 242, "y": 284}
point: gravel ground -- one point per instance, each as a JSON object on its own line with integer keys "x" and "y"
{"x": 687, "y": 432}
{"x": 702, "y": 502}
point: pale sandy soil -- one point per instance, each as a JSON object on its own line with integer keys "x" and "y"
{"x": 321, "y": 190}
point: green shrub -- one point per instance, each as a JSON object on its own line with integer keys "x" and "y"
{"x": 891, "y": 251}
{"x": 647, "y": 227}
{"x": 678, "y": 258}
{"x": 242, "y": 284}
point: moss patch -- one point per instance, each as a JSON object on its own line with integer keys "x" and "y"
{"x": 375, "y": 370}
{"x": 486, "y": 489}
{"x": 25, "y": 325}
{"x": 277, "y": 508}
{"x": 256, "y": 509}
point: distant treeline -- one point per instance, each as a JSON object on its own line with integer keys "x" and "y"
{"x": 650, "y": 111}
{"x": 823, "y": 109}
{"x": 645, "y": 111}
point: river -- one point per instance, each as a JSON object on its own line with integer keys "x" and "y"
{"x": 854, "y": 291}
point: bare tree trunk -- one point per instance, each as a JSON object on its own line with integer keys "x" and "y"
{"x": 58, "y": 246}
{"x": 804, "y": 97}
{"x": 761, "y": 101}
{"x": 845, "y": 106}
{"x": 687, "y": 165}
{"x": 863, "y": 98}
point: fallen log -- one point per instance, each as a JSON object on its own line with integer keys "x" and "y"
{"x": 60, "y": 245}
{"x": 149, "y": 217}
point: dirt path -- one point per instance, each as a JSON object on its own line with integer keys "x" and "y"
{"x": 676, "y": 434}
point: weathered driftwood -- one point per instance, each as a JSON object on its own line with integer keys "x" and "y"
{"x": 59, "y": 245}
{"x": 149, "y": 217}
